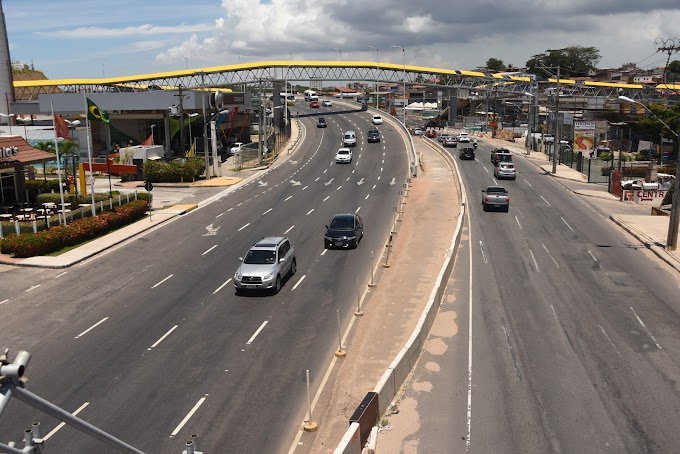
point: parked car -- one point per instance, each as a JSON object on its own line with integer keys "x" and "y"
{"x": 373, "y": 135}
{"x": 377, "y": 120}
{"x": 466, "y": 153}
{"x": 326, "y": 103}
{"x": 314, "y": 104}
{"x": 495, "y": 197}
{"x": 344, "y": 231}
{"x": 266, "y": 264}
{"x": 343, "y": 156}
{"x": 505, "y": 170}
{"x": 321, "y": 123}
{"x": 500, "y": 155}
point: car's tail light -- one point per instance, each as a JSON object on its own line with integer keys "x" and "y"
{"x": 486, "y": 198}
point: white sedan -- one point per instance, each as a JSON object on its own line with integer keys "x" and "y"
{"x": 326, "y": 103}
{"x": 377, "y": 120}
{"x": 343, "y": 156}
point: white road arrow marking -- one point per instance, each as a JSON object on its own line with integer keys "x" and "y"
{"x": 293, "y": 162}
{"x": 211, "y": 231}
{"x": 329, "y": 182}
{"x": 360, "y": 182}
{"x": 392, "y": 182}
{"x": 262, "y": 183}
{"x": 295, "y": 183}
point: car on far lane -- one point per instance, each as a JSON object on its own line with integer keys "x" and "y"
{"x": 377, "y": 120}
{"x": 344, "y": 231}
{"x": 321, "y": 123}
{"x": 450, "y": 141}
{"x": 343, "y": 156}
{"x": 314, "y": 104}
{"x": 373, "y": 135}
{"x": 505, "y": 170}
{"x": 326, "y": 103}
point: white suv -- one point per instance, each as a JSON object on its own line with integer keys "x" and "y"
{"x": 266, "y": 264}
{"x": 349, "y": 139}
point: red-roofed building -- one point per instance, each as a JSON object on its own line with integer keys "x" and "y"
{"x": 15, "y": 155}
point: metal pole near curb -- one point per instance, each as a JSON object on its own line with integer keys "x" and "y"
{"x": 191, "y": 446}
{"x": 372, "y": 284}
{"x": 387, "y": 256}
{"x": 340, "y": 353}
{"x": 309, "y": 425}
{"x": 396, "y": 218}
{"x": 358, "y": 312}
{"x": 405, "y": 186}
{"x": 409, "y": 182}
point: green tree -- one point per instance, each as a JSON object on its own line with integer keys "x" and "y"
{"x": 669, "y": 115}
{"x": 573, "y": 61}
{"x": 494, "y": 64}
{"x": 674, "y": 70}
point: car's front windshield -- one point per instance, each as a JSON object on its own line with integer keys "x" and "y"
{"x": 260, "y": 257}
{"x": 342, "y": 224}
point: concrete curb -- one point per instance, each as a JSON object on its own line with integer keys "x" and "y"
{"x": 657, "y": 248}
{"x": 389, "y": 385}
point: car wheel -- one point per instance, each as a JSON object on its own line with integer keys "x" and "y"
{"x": 293, "y": 268}
{"x": 239, "y": 291}
{"x": 507, "y": 208}
{"x": 277, "y": 285}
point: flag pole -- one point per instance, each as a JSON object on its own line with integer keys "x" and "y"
{"x": 89, "y": 154}
{"x": 56, "y": 149}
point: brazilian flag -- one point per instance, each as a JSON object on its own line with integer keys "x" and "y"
{"x": 95, "y": 113}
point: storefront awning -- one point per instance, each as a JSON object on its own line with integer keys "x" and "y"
{"x": 16, "y": 152}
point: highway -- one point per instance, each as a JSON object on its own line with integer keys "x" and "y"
{"x": 571, "y": 326}
{"x": 149, "y": 342}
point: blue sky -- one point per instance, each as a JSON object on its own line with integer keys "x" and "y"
{"x": 88, "y": 39}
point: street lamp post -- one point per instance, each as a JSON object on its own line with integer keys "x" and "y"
{"x": 403, "y": 52}
{"x": 152, "y": 138}
{"x": 674, "y": 221}
{"x": 339, "y": 50}
{"x": 377, "y": 77}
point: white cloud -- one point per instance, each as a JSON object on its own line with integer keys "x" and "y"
{"x": 139, "y": 30}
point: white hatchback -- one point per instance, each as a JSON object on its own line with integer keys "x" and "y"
{"x": 326, "y": 103}
{"x": 377, "y": 120}
{"x": 343, "y": 156}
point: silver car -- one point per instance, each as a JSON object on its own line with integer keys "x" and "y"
{"x": 266, "y": 265}
{"x": 505, "y": 170}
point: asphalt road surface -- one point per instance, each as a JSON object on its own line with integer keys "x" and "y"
{"x": 571, "y": 325}
{"x": 149, "y": 342}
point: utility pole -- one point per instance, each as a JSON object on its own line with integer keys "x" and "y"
{"x": 205, "y": 129}
{"x": 181, "y": 122}
{"x": 557, "y": 124}
{"x": 670, "y": 46}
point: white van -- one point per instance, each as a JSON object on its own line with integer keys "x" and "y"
{"x": 310, "y": 95}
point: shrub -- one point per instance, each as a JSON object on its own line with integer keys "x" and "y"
{"x": 78, "y": 231}
{"x": 175, "y": 171}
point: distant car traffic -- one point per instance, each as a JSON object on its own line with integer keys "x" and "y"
{"x": 344, "y": 231}
{"x": 505, "y": 170}
{"x": 377, "y": 120}
{"x": 326, "y": 103}
{"x": 343, "y": 156}
{"x": 417, "y": 131}
{"x": 349, "y": 139}
{"x": 450, "y": 142}
{"x": 500, "y": 155}
{"x": 373, "y": 135}
{"x": 321, "y": 123}
{"x": 431, "y": 133}
{"x": 314, "y": 104}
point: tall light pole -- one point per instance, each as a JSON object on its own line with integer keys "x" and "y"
{"x": 152, "y": 138}
{"x": 242, "y": 55}
{"x": 403, "y": 51}
{"x": 674, "y": 221}
{"x": 339, "y": 50}
{"x": 377, "y": 77}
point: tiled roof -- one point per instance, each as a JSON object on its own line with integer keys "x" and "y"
{"x": 26, "y": 154}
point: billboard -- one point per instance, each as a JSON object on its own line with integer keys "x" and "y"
{"x": 584, "y": 136}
